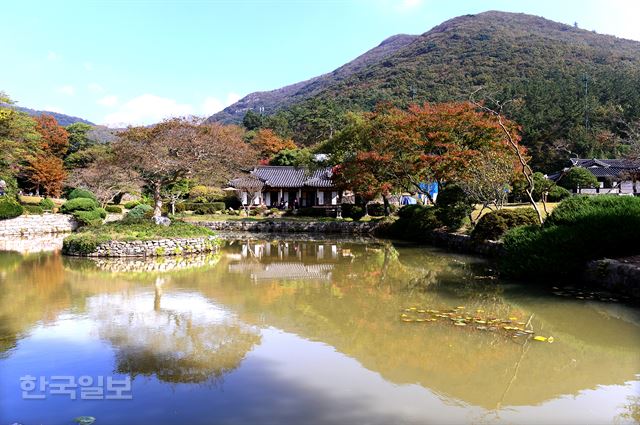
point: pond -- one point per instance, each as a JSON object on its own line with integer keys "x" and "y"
{"x": 286, "y": 330}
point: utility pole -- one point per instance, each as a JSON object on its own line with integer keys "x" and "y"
{"x": 586, "y": 102}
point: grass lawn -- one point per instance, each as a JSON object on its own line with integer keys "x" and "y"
{"x": 87, "y": 238}
{"x": 35, "y": 200}
{"x": 550, "y": 207}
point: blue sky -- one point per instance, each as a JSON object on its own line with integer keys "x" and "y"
{"x": 136, "y": 62}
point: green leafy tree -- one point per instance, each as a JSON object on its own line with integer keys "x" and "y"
{"x": 578, "y": 178}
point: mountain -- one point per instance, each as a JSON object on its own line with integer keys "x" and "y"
{"x": 271, "y": 101}
{"x": 63, "y": 120}
{"x": 572, "y": 87}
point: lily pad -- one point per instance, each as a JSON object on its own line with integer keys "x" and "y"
{"x": 85, "y": 420}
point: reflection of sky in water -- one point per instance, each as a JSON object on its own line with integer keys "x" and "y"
{"x": 294, "y": 350}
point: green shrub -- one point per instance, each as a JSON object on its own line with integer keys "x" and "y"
{"x": 578, "y": 177}
{"x": 9, "y": 208}
{"x": 78, "y": 204}
{"x": 494, "y": 225}
{"x": 89, "y": 218}
{"x": 557, "y": 194}
{"x": 578, "y": 208}
{"x": 115, "y": 209}
{"x": 33, "y": 209}
{"x": 580, "y": 229}
{"x": 81, "y": 193}
{"x": 311, "y": 212}
{"x": 138, "y": 213}
{"x": 47, "y": 204}
{"x": 131, "y": 204}
{"x": 353, "y": 211}
{"x": 206, "y": 194}
{"x": 102, "y": 212}
{"x": 407, "y": 211}
{"x": 415, "y": 223}
{"x": 83, "y": 243}
{"x": 453, "y": 206}
{"x": 205, "y": 208}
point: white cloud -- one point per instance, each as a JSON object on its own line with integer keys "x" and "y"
{"x": 409, "y": 4}
{"x": 95, "y": 88}
{"x": 50, "y": 108}
{"x": 67, "y": 90}
{"x": 108, "y": 101}
{"x": 146, "y": 109}
{"x": 52, "y": 56}
{"x": 211, "y": 105}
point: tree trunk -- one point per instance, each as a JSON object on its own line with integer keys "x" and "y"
{"x": 157, "y": 198}
{"x": 366, "y": 209}
{"x": 173, "y": 207}
{"x": 387, "y": 208}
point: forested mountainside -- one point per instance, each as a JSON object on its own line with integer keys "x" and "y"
{"x": 574, "y": 92}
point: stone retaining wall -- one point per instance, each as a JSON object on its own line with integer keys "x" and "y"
{"x": 615, "y": 275}
{"x": 37, "y": 224}
{"x": 152, "y": 248}
{"x": 268, "y": 226}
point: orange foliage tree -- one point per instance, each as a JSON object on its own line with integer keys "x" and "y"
{"x": 268, "y": 143}
{"x": 397, "y": 148}
{"x": 46, "y": 169}
{"x": 54, "y": 138}
{"x": 47, "y": 172}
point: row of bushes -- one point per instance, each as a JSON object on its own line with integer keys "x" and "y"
{"x": 580, "y": 229}
{"x": 83, "y": 205}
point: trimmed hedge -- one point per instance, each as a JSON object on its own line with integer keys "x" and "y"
{"x": 353, "y": 211}
{"x": 116, "y": 209}
{"x": 47, "y": 204}
{"x": 138, "y": 213}
{"x": 131, "y": 204}
{"x": 89, "y": 218}
{"x": 580, "y": 229}
{"x": 33, "y": 209}
{"x": 9, "y": 208}
{"x": 81, "y": 193}
{"x": 492, "y": 226}
{"x": 78, "y": 204}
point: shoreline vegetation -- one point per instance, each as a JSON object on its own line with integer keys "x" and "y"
{"x": 87, "y": 239}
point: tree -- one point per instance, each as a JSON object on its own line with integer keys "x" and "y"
{"x": 268, "y": 143}
{"x": 291, "y": 157}
{"x": 47, "y": 172}
{"x": 424, "y": 143}
{"x": 182, "y": 148}
{"x": 176, "y": 192}
{"x": 78, "y": 136}
{"x": 578, "y": 178}
{"x": 252, "y": 120}
{"x": 106, "y": 178}
{"x": 19, "y": 141}
{"x": 487, "y": 179}
{"x": 55, "y": 139}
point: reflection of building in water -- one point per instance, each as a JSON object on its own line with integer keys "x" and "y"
{"x": 286, "y": 260}
{"x": 259, "y": 271}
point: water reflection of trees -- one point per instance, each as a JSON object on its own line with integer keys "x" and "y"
{"x": 357, "y": 312}
{"x": 189, "y": 341}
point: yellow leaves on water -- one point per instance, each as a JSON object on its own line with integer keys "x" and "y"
{"x": 510, "y": 327}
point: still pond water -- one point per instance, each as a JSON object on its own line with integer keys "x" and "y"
{"x": 300, "y": 331}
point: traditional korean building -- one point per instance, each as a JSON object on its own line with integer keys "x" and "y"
{"x": 615, "y": 176}
{"x": 275, "y": 186}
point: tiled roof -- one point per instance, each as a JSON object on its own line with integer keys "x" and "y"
{"x": 605, "y": 163}
{"x": 287, "y": 176}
